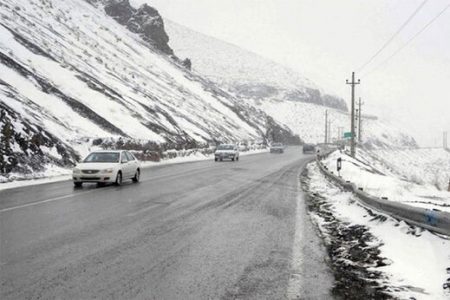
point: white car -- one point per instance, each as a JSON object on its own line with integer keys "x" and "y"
{"x": 226, "y": 151}
{"x": 109, "y": 166}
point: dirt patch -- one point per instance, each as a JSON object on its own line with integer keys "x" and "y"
{"x": 352, "y": 250}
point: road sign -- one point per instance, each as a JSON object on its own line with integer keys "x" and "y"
{"x": 347, "y": 135}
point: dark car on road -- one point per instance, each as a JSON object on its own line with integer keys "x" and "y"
{"x": 277, "y": 148}
{"x": 309, "y": 148}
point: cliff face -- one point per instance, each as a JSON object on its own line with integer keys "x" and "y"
{"x": 145, "y": 21}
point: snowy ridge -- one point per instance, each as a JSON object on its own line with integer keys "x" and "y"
{"x": 290, "y": 98}
{"x": 68, "y": 68}
{"x": 245, "y": 73}
{"x": 308, "y": 121}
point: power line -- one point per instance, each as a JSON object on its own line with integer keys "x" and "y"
{"x": 408, "y": 42}
{"x": 394, "y": 35}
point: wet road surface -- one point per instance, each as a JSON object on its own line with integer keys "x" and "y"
{"x": 202, "y": 230}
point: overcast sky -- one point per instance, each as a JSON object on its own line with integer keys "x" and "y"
{"x": 326, "y": 40}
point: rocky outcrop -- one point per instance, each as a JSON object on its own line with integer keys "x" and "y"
{"x": 310, "y": 95}
{"x": 145, "y": 21}
{"x": 22, "y": 146}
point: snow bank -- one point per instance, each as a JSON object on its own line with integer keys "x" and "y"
{"x": 379, "y": 178}
{"x": 416, "y": 262}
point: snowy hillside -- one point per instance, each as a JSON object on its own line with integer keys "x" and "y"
{"x": 71, "y": 74}
{"x": 409, "y": 176}
{"x": 308, "y": 121}
{"x": 283, "y": 94}
{"x": 422, "y": 166}
{"x": 245, "y": 73}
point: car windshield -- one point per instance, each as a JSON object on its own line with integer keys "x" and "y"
{"x": 225, "y": 147}
{"x": 102, "y": 157}
{"x": 276, "y": 145}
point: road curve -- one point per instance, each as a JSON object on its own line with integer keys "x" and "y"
{"x": 203, "y": 230}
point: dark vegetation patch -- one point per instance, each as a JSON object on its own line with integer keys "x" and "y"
{"x": 29, "y": 140}
{"x": 152, "y": 151}
{"x": 350, "y": 251}
{"x": 277, "y": 133}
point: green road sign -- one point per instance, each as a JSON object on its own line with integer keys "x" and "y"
{"x": 347, "y": 135}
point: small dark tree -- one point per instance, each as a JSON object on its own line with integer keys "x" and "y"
{"x": 187, "y": 63}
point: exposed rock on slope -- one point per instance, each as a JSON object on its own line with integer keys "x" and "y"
{"x": 26, "y": 148}
{"x": 146, "y": 21}
{"x": 70, "y": 74}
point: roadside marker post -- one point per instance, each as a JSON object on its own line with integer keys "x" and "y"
{"x": 339, "y": 166}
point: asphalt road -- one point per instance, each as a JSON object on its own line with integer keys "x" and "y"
{"x": 203, "y": 230}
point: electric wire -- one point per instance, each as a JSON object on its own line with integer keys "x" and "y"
{"x": 393, "y": 36}
{"x": 408, "y": 42}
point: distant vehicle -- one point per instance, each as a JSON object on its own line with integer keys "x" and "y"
{"x": 226, "y": 151}
{"x": 277, "y": 148}
{"x": 243, "y": 147}
{"x": 309, "y": 148}
{"x": 111, "y": 166}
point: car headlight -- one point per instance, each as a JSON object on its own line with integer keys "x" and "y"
{"x": 108, "y": 170}
{"x": 75, "y": 170}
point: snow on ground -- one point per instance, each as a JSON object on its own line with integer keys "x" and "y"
{"x": 55, "y": 173}
{"x": 431, "y": 166}
{"x": 416, "y": 263}
{"x": 378, "y": 178}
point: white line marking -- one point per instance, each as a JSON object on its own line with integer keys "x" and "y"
{"x": 44, "y": 201}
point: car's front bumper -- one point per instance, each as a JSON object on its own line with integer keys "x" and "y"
{"x": 106, "y": 178}
{"x": 225, "y": 156}
{"x": 276, "y": 150}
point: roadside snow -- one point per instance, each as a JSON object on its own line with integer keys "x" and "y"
{"x": 418, "y": 262}
{"x": 430, "y": 166}
{"x": 55, "y": 174}
{"x": 379, "y": 179}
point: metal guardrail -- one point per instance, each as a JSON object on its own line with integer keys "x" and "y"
{"x": 433, "y": 220}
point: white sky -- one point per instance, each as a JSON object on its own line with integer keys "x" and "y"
{"x": 326, "y": 40}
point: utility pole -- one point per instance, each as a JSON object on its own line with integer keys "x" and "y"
{"x": 326, "y": 126}
{"x": 329, "y": 131}
{"x": 352, "y": 123}
{"x": 359, "y": 120}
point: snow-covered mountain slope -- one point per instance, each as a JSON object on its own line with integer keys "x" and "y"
{"x": 421, "y": 166}
{"x": 286, "y": 96}
{"x": 245, "y": 73}
{"x": 308, "y": 121}
{"x": 69, "y": 73}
